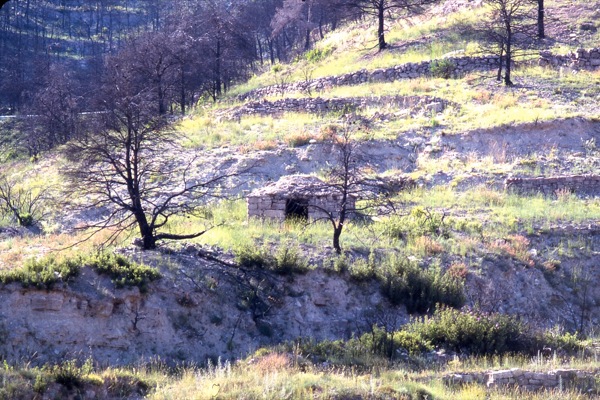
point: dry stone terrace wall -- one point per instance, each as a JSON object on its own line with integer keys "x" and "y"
{"x": 320, "y": 105}
{"x": 527, "y": 380}
{"x": 462, "y": 65}
{"x": 583, "y": 185}
{"x": 580, "y": 59}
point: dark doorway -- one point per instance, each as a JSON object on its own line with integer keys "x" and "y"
{"x": 296, "y": 209}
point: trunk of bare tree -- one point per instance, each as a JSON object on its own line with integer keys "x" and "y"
{"x": 337, "y": 232}
{"x": 540, "y": 19}
{"x": 381, "y": 26}
{"x": 499, "y": 76}
{"x": 507, "y": 67}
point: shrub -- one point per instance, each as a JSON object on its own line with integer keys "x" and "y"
{"x": 419, "y": 222}
{"x": 419, "y": 289}
{"x": 442, "y": 68}
{"x": 315, "y": 55}
{"x": 43, "y": 273}
{"x": 122, "y": 271}
{"x": 363, "y": 270}
{"x": 298, "y": 139}
{"x": 68, "y": 374}
{"x": 474, "y": 332}
{"x": 286, "y": 260}
{"x": 252, "y": 256}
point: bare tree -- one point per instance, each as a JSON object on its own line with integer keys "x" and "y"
{"x": 57, "y": 112}
{"x": 128, "y": 165}
{"x": 357, "y": 192}
{"x": 509, "y": 32}
{"x": 23, "y": 205}
{"x": 383, "y": 9}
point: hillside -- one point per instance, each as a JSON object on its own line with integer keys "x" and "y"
{"x": 494, "y": 212}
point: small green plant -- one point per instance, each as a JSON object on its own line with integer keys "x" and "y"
{"x": 252, "y": 256}
{"x": 68, "y": 374}
{"x": 442, "y": 68}
{"x": 317, "y": 54}
{"x": 419, "y": 222}
{"x": 363, "y": 270}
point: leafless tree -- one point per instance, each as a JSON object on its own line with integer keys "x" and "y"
{"x": 54, "y": 114}
{"x": 509, "y": 30}
{"x": 356, "y": 191}
{"x": 129, "y": 164}
{"x": 384, "y": 9}
{"x": 23, "y": 205}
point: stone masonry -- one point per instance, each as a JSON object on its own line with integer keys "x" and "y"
{"x": 295, "y": 195}
{"x": 415, "y": 104}
{"x": 527, "y": 380}
{"x": 582, "y": 185}
{"x": 460, "y": 65}
{"x": 580, "y": 59}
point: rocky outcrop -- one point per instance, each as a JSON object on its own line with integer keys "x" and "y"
{"x": 201, "y": 311}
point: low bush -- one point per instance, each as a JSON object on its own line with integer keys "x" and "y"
{"x": 122, "y": 271}
{"x": 419, "y": 222}
{"x": 475, "y": 332}
{"x": 442, "y": 68}
{"x": 286, "y": 260}
{"x": 419, "y": 289}
{"x": 43, "y": 273}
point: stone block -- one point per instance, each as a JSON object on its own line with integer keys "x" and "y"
{"x": 274, "y": 214}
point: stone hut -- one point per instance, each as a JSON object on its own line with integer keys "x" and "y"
{"x": 295, "y": 196}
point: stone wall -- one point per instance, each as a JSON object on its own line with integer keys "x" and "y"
{"x": 528, "y": 380}
{"x": 461, "y": 65}
{"x": 583, "y": 185}
{"x": 415, "y": 104}
{"x": 274, "y": 206}
{"x": 580, "y": 59}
